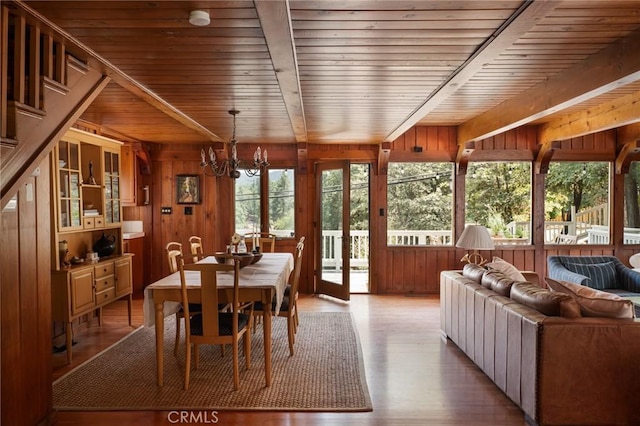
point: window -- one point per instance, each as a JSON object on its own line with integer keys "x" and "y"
{"x": 279, "y": 196}
{"x": 420, "y": 204}
{"x": 498, "y": 196}
{"x": 632, "y": 204}
{"x": 577, "y": 203}
{"x": 281, "y": 202}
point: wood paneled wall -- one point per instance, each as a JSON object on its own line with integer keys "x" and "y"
{"x": 25, "y": 303}
{"x": 403, "y": 270}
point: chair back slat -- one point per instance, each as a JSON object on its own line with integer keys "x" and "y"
{"x": 195, "y": 243}
{"x": 209, "y": 294}
{"x": 295, "y": 279}
{"x": 173, "y": 250}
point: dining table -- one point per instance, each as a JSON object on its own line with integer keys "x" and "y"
{"x": 259, "y": 281}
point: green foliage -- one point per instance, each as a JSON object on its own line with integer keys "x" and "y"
{"x": 579, "y": 184}
{"x": 281, "y": 200}
{"x": 498, "y": 192}
{"x": 419, "y": 196}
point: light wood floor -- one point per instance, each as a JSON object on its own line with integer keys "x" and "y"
{"x": 414, "y": 376}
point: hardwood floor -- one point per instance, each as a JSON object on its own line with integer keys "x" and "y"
{"x": 415, "y": 377}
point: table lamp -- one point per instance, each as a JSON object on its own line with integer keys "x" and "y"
{"x": 475, "y": 237}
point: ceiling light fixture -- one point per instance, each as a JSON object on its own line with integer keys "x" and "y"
{"x": 199, "y": 18}
{"x": 231, "y": 167}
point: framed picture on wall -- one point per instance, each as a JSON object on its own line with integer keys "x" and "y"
{"x": 188, "y": 189}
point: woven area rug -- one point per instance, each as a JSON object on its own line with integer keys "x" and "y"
{"x": 325, "y": 374}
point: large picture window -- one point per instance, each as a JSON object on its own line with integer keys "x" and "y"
{"x": 577, "y": 203}
{"x": 498, "y": 196}
{"x": 632, "y": 204}
{"x": 277, "y": 203}
{"x": 420, "y": 204}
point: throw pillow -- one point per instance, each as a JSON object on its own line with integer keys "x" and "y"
{"x": 601, "y": 275}
{"x": 508, "y": 269}
{"x": 544, "y": 301}
{"x": 594, "y": 303}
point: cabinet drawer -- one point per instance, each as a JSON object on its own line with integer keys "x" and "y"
{"x": 103, "y": 270}
{"x": 105, "y": 283}
{"x": 105, "y": 296}
{"x": 88, "y": 222}
{"x": 99, "y": 221}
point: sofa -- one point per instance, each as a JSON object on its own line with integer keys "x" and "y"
{"x": 606, "y": 273}
{"x": 559, "y": 367}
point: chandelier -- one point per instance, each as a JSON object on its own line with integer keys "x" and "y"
{"x": 231, "y": 167}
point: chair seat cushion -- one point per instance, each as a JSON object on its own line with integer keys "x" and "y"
{"x": 284, "y": 306}
{"x": 197, "y": 307}
{"x": 225, "y": 322}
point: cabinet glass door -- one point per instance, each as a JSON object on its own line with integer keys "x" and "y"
{"x": 112, "y": 187}
{"x": 69, "y": 185}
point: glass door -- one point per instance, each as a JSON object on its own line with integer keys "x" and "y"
{"x": 332, "y": 230}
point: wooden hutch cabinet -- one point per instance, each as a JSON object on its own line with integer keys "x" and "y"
{"x": 87, "y": 206}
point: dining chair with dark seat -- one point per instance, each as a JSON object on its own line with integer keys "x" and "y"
{"x": 210, "y": 326}
{"x": 289, "y": 305}
{"x": 266, "y": 241}
{"x": 174, "y": 251}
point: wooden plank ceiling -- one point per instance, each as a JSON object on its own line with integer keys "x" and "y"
{"x": 349, "y": 71}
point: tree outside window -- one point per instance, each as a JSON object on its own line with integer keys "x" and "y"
{"x": 498, "y": 196}
{"x": 420, "y": 204}
{"x": 279, "y": 202}
{"x": 632, "y": 204}
{"x": 577, "y": 202}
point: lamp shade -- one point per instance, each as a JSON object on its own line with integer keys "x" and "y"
{"x": 475, "y": 237}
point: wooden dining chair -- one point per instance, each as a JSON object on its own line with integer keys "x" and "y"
{"x": 266, "y": 241}
{"x": 174, "y": 250}
{"x": 287, "y": 290}
{"x": 289, "y": 306}
{"x": 210, "y": 326}
{"x": 196, "y": 247}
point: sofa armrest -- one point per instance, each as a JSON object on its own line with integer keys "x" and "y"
{"x": 532, "y": 277}
{"x": 557, "y": 271}
{"x": 628, "y": 278}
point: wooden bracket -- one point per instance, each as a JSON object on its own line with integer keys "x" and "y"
{"x": 384, "y": 152}
{"x": 465, "y": 150}
{"x": 144, "y": 159}
{"x": 544, "y": 156}
{"x": 626, "y": 155}
{"x": 303, "y": 156}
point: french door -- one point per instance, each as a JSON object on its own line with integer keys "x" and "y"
{"x": 332, "y": 229}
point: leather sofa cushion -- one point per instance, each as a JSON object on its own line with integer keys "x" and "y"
{"x": 497, "y": 281}
{"x": 473, "y": 272}
{"x": 594, "y": 303}
{"x": 547, "y": 302}
{"x": 600, "y": 276}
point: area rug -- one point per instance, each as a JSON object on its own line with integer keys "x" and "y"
{"x": 325, "y": 374}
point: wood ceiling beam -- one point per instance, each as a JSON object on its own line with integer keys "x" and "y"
{"x": 513, "y": 29}
{"x": 122, "y": 79}
{"x": 612, "y": 67}
{"x": 616, "y": 113}
{"x": 275, "y": 20}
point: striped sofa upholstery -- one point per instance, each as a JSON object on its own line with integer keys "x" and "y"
{"x": 605, "y": 273}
